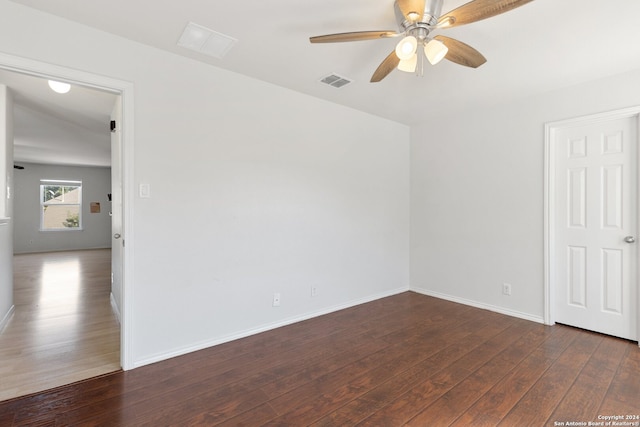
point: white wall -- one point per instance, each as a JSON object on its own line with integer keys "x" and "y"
{"x": 6, "y": 205}
{"x": 96, "y": 227}
{"x": 254, "y": 190}
{"x": 477, "y": 195}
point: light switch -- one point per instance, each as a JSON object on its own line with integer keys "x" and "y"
{"x": 145, "y": 191}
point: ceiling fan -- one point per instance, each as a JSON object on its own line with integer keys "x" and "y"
{"x": 416, "y": 20}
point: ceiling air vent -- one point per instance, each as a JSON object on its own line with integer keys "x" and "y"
{"x": 336, "y": 80}
{"x": 206, "y": 41}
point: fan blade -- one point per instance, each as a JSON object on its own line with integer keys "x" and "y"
{"x": 353, "y": 37}
{"x": 387, "y": 66}
{"x": 462, "y": 53}
{"x": 477, "y": 10}
{"x": 413, "y": 10}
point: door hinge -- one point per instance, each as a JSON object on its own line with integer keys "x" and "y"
{"x": 113, "y": 126}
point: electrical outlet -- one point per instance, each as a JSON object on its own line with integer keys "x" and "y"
{"x": 506, "y": 289}
{"x": 314, "y": 291}
{"x": 276, "y": 300}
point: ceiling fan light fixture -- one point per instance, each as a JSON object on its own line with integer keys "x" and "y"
{"x": 408, "y": 65}
{"x": 416, "y": 19}
{"x": 435, "y": 51}
{"x": 406, "y": 48}
{"x": 413, "y": 16}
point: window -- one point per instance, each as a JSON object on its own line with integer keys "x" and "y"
{"x": 60, "y": 205}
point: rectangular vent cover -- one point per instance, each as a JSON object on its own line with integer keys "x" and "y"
{"x": 336, "y": 80}
{"x": 206, "y": 41}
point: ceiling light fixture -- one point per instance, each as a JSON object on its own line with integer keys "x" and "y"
{"x": 413, "y": 16}
{"x": 411, "y": 58}
{"x": 408, "y": 65}
{"x": 416, "y": 20}
{"x": 417, "y": 46}
{"x": 59, "y": 87}
{"x": 435, "y": 51}
{"x": 406, "y": 48}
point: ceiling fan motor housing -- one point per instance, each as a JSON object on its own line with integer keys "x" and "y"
{"x": 432, "y": 11}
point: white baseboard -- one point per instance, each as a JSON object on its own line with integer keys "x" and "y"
{"x": 114, "y": 307}
{"x": 264, "y": 328}
{"x": 7, "y": 317}
{"x": 501, "y": 310}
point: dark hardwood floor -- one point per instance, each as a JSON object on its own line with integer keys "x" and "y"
{"x": 403, "y": 360}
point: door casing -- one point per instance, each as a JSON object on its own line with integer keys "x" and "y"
{"x": 549, "y": 201}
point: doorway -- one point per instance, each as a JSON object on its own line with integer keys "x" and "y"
{"x": 125, "y": 91}
{"x": 591, "y": 223}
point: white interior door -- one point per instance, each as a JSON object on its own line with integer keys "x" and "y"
{"x": 117, "y": 237}
{"x": 595, "y": 226}
{"x": 6, "y": 205}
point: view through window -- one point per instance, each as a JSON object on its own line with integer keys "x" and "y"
{"x": 60, "y": 205}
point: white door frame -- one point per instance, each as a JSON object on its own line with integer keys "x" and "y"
{"x": 125, "y": 90}
{"x": 549, "y": 200}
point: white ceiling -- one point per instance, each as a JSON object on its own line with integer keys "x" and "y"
{"x": 52, "y": 128}
{"x": 541, "y": 46}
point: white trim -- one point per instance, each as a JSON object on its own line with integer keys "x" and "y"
{"x": 549, "y": 230}
{"x": 114, "y": 307}
{"x": 267, "y": 327}
{"x": 5, "y": 221}
{"x": 7, "y": 317}
{"x": 550, "y": 130}
{"x": 481, "y": 305}
{"x": 125, "y": 90}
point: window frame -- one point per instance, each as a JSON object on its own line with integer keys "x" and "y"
{"x": 60, "y": 183}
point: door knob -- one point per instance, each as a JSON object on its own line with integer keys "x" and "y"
{"x": 630, "y": 239}
{"x": 117, "y": 236}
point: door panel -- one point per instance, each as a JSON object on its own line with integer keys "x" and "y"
{"x": 577, "y": 279}
{"x": 116, "y": 206}
{"x": 6, "y": 204}
{"x": 578, "y": 198}
{"x": 595, "y": 209}
{"x": 613, "y": 280}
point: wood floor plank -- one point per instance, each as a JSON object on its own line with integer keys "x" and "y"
{"x": 537, "y": 405}
{"x": 403, "y": 409}
{"x": 450, "y": 345}
{"x": 585, "y": 397}
{"x": 63, "y": 328}
{"x": 458, "y": 400}
{"x": 494, "y": 405}
{"x": 407, "y": 359}
{"x": 259, "y": 415}
{"x": 623, "y": 395}
{"x": 349, "y": 383}
{"x": 312, "y": 371}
